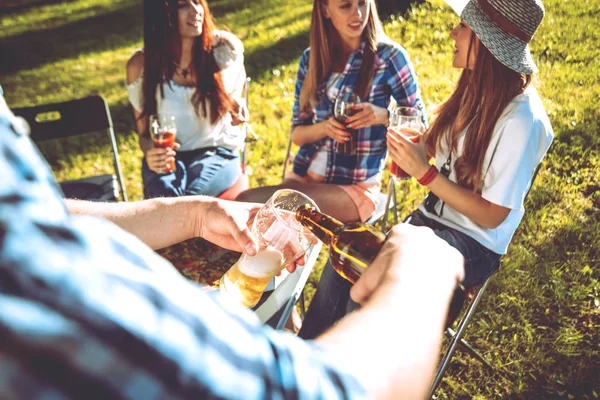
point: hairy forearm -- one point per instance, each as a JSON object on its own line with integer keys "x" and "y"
{"x": 158, "y": 222}
{"x": 468, "y": 203}
{"x": 392, "y": 343}
{"x": 304, "y": 134}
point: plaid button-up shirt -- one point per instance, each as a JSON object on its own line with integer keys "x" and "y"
{"x": 87, "y": 311}
{"x": 394, "y": 78}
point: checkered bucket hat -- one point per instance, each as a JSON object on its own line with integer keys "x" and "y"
{"x": 505, "y": 27}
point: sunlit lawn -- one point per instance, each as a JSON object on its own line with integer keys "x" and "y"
{"x": 539, "y": 324}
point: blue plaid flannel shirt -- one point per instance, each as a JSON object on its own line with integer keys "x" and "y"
{"x": 88, "y": 311}
{"x": 394, "y": 77}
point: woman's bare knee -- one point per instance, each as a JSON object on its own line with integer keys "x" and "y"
{"x": 245, "y": 196}
{"x": 257, "y": 195}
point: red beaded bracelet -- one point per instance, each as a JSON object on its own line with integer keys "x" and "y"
{"x": 429, "y": 176}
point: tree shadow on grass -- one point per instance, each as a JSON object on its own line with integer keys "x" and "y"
{"x": 387, "y": 8}
{"x": 11, "y": 7}
{"x": 99, "y": 33}
{"x": 221, "y": 8}
{"x": 279, "y": 53}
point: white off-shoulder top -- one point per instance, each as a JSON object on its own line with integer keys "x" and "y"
{"x": 194, "y": 130}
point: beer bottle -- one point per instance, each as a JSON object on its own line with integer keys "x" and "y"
{"x": 353, "y": 247}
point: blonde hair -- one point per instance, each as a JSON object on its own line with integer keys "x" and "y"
{"x": 325, "y": 44}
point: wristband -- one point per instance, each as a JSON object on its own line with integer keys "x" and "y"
{"x": 429, "y": 176}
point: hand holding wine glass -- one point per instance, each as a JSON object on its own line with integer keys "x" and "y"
{"x": 342, "y": 110}
{"x": 405, "y": 124}
{"x": 163, "y": 130}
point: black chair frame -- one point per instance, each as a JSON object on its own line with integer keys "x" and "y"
{"x": 456, "y": 337}
{"x": 72, "y": 118}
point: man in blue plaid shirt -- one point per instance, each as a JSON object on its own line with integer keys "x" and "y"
{"x": 87, "y": 310}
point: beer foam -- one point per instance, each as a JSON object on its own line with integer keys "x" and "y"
{"x": 265, "y": 263}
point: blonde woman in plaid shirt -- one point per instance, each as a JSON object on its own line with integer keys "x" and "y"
{"x": 348, "y": 52}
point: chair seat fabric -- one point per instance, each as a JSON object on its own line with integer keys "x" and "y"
{"x": 94, "y": 188}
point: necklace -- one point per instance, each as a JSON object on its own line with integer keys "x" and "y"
{"x": 183, "y": 71}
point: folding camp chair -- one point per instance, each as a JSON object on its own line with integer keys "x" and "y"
{"x": 474, "y": 296}
{"x": 284, "y": 291}
{"x": 77, "y": 117}
{"x": 456, "y": 337}
{"x": 242, "y": 183}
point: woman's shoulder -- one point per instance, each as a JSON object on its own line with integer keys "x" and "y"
{"x": 135, "y": 66}
{"x": 525, "y": 113}
{"x": 227, "y": 48}
{"x": 526, "y": 106}
{"x": 305, "y": 56}
{"x": 228, "y": 40}
{"x": 387, "y": 48}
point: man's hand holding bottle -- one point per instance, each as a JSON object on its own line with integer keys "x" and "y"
{"x": 412, "y": 257}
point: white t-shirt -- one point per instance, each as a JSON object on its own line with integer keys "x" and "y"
{"x": 318, "y": 165}
{"x": 194, "y": 130}
{"x": 521, "y": 138}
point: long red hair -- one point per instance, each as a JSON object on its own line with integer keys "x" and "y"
{"x": 161, "y": 30}
{"x": 480, "y": 97}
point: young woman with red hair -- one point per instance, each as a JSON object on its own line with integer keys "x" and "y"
{"x": 191, "y": 71}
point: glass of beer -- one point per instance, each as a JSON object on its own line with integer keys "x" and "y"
{"x": 342, "y": 110}
{"x": 406, "y": 122}
{"x": 162, "y": 131}
{"x": 281, "y": 240}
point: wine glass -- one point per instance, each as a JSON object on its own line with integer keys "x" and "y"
{"x": 406, "y": 122}
{"x": 281, "y": 240}
{"x": 163, "y": 130}
{"x": 342, "y": 109}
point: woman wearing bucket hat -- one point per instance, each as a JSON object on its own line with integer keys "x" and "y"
{"x": 487, "y": 140}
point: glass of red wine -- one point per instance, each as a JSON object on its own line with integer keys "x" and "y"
{"x": 406, "y": 122}
{"x": 342, "y": 110}
{"x": 162, "y": 131}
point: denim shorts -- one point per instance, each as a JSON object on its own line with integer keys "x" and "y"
{"x": 208, "y": 171}
{"x": 332, "y": 298}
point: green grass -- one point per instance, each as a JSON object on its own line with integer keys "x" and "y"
{"x": 539, "y": 324}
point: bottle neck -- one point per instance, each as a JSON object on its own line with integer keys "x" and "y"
{"x": 322, "y": 226}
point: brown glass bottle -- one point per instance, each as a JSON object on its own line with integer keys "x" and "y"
{"x": 353, "y": 247}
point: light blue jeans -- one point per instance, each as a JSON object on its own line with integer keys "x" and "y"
{"x": 209, "y": 171}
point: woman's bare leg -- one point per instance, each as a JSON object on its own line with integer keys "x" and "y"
{"x": 331, "y": 199}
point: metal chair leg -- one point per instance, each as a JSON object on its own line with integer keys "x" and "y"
{"x": 470, "y": 349}
{"x": 391, "y": 194}
{"x": 456, "y": 339}
{"x": 302, "y": 305}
